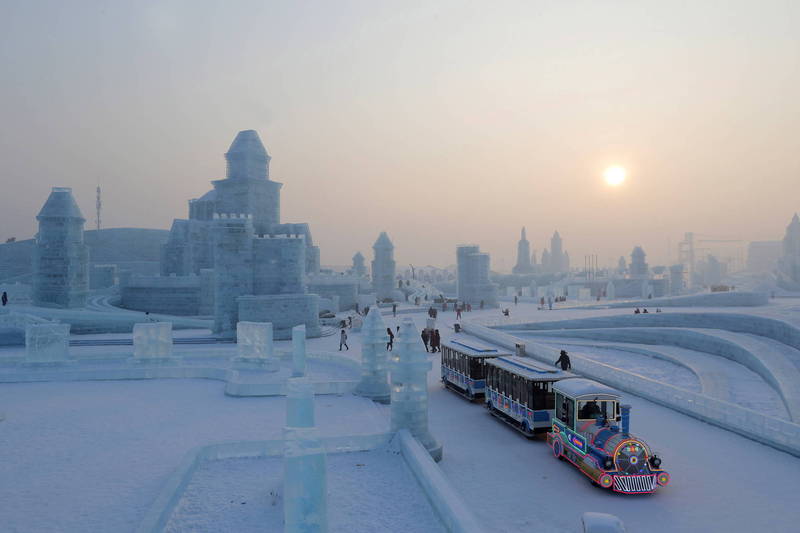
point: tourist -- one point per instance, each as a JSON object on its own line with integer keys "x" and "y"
{"x": 541, "y": 303}
{"x": 469, "y": 308}
{"x": 425, "y": 337}
{"x": 436, "y": 341}
{"x": 458, "y": 313}
{"x": 4, "y": 298}
{"x": 564, "y": 361}
{"x": 350, "y": 321}
{"x": 343, "y": 341}
{"x": 658, "y": 309}
{"x": 394, "y": 310}
{"x": 515, "y": 299}
{"x": 390, "y": 344}
{"x": 506, "y": 312}
{"x": 636, "y": 311}
{"x": 645, "y": 311}
{"x": 481, "y": 304}
{"x": 550, "y": 302}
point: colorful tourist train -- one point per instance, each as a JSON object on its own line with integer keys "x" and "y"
{"x": 584, "y": 420}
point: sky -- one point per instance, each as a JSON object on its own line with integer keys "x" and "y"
{"x": 441, "y": 122}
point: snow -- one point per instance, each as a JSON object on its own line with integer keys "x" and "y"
{"x": 368, "y": 491}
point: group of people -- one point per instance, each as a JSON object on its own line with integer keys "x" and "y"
{"x": 637, "y": 311}
{"x": 432, "y": 339}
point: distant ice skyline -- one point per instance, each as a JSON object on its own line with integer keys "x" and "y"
{"x": 439, "y": 123}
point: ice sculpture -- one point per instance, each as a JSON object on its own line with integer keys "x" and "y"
{"x": 374, "y": 382}
{"x": 305, "y": 485}
{"x": 152, "y": 341}
{"x": 409, "y": 376}
{"x": 299, "y": 350}
{"x": 602, "y": 523}
{"x": 47, "y": 343}
{"x": 254, "y": 344}
{"x": 299, "y": 403}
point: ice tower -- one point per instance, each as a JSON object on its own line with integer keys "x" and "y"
{"x": 409, "y": 375}
{"x": 374, "y": 382}
{"x": 523, "y": 265}
{"x": 359, "y": 268}
{"x": 790, "y": 262}
{"x": 473, "y": 284}
{"x": 383, "y": 267}
{"x": 61, "y": 258}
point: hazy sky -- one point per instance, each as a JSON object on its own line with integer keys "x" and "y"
{"x": 439, "y": 122}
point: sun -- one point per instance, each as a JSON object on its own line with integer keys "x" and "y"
{"x": 614, "y": 176}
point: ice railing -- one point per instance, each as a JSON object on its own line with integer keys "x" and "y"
{"x": 223, "y": 216}
{"x": 772, "y": 431}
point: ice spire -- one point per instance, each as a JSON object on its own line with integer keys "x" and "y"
{"x": 247, "y": 158}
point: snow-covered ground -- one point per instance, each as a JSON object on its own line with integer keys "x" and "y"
{"x": 367, "y": 491}
{"x": 92, "y": 456}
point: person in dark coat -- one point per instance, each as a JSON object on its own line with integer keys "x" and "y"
{"x": 4, "y": 298}
{"x": 425, "y": 338}
{"x": 390, "y": 344}
{"x": 436, "y": 341}
{"x": 343, "y": 341}
{"x": 563, "y": 360}
{"x": 394, "y": 309}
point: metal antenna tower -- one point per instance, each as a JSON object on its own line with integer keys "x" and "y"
{"x": 98, "y": 206}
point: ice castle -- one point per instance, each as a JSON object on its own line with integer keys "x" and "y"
{"x": 259, "y": 264}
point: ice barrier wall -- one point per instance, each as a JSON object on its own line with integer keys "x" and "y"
{"x": 774, "y": 432}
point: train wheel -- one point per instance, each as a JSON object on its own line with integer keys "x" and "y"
{"x": 557, "y": 448}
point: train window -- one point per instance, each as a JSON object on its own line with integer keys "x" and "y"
{"x": 565, "y": 410}
{"x": 596, "y": 410}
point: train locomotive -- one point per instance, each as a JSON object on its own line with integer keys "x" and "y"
{"x": 591, "y": 430}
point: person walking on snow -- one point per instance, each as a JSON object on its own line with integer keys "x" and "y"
{"x": 5, "y": 298}
{"x": 563, "y": 360}
{"x": 394, "y": 310}
{"x": 343, "y": 341}
{"x": 436, "y": 341}
{"x": 425, "y": 337}
{"x": 391, "y": 339}
{"x": 458, "y": 313}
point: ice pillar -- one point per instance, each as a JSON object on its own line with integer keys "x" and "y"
{"x": 299, "y": 350}
{"x": 305, "y": 485}
{"x": 409, "y": 392}
{"x": 299, "y": 403}
{"x": 374, "y": 382}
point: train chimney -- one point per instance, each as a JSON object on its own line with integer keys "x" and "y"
{"x": 626, "y": 418}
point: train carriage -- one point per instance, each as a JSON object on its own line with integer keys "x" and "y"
{"x": 591, "y": 430}
{"x": 519, "y": 391}
{"x": 464, "y": 366}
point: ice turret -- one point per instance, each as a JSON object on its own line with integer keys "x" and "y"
{"x": 383, "y": 267}
{"x": 247, "y": 158}
{"x": 374, "y": 382}
{"x": 61, "y": 258}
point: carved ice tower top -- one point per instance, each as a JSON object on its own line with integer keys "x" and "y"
{"x": 247, "y": 158}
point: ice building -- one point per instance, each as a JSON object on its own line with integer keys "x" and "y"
{"x": 473, "y": 282}
{"x": 233, "y": 257}
{"x": 383, "y": 267}
{"x": 61, "y": 258}
{"x": 789, "y": 264}
{"x": 359, "y": 267}
{"x": 638, "y": 267}
{"x": 246, "y": 190}
{"x": 555, "y": 260}
{"x": 524, "y": 264}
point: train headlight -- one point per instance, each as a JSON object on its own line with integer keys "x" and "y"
{"x": 655, "y": 461}
{"x": 608, "y": 463}
{"x": 605, "y": 481}
{"x": 663, "y": 479}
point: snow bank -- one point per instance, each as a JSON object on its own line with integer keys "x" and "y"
{"x": 712, "y": 299}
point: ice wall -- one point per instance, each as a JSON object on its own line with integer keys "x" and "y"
{"x": 254, "y": 344}
{"x": 46, "y": 343}
{"x": 152, "y": 341}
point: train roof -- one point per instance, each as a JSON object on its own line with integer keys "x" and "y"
{"x": 529, "y": 369}
{"x": 578, "y": 387}
{"x": 471, "y": 348}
